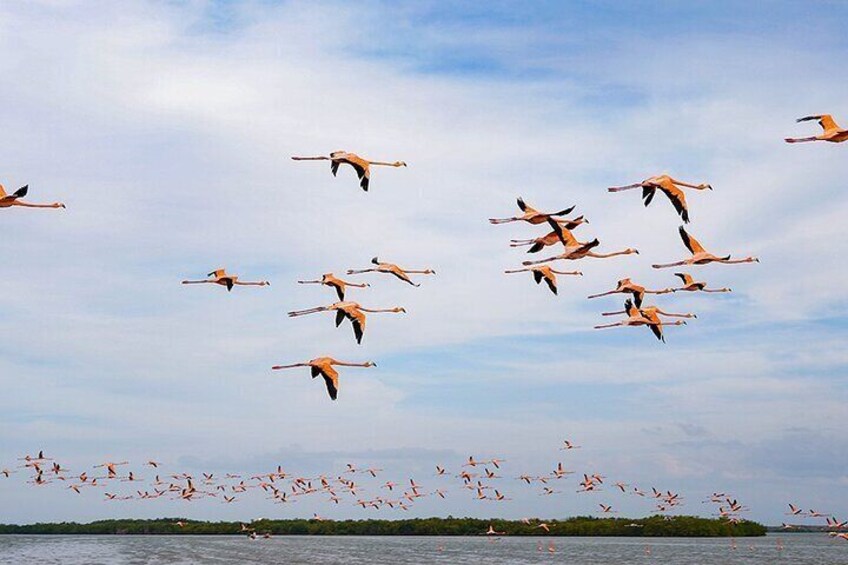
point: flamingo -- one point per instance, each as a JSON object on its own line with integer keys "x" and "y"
{"x": 546, "y": 273}
{"x": 539, "y": 243}
{"x": 350, "y": 310}
{"x": 832, "y": 132}
{"x": 637, "y": 317}
{"x": 360, "y": 165}
{"x": 14, "y": 199}
{"x": 576, "y": 250}
{"x": 392, "y": 269}
{"x": 220, "y": 277}
{"x": 531, "y": 215}
{"x": 668, "y": 186}
{"x": 652, "y": 314}
{"x": 627, "y": 286}
{"x": 329, "y": 279}
{"x": 700, "y": 256}
{"x": 691, "y": 285}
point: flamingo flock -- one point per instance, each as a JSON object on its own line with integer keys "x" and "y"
{"x": 477, "y": 476}
{"x": 482, "y": 479}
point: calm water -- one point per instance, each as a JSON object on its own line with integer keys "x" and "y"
{"x": 813, "y": 549}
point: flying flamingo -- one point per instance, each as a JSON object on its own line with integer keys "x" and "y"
{"x": 670, "y": 187}
{"x": 221, "y": 277}
{"x": 651, "y": 313}
{"x": 531, "y": 215}
{"x": 539, "y": 243}
{"x": 324, "y": 366}
{"x": 350, "y": 310}
{"x": 691, "y": 285}
{"x": 392, "y": 269}
{"x": 546, "y": 273}
{"x": 576, "y": 250}
{"x": 627, "y": 286}
{"x": 700, "y": 256}
{"x": 14, "y": 199}
{"x": 636, "y": 317}
{"x": 832, "y": 131}
{"x": 360, "y": 165}
{"x": 329, "y": 279}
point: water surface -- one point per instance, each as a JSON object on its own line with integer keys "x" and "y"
{"x": 798, "y": 549}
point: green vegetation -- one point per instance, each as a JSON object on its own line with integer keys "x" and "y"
{"x": 654, "y": 526}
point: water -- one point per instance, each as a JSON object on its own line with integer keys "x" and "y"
{"x": 812, "y": 549}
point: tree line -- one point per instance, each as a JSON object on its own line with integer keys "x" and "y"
{"x": 654, "y": 526}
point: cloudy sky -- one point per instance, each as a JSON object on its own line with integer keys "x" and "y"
{"x": 167, "y": 127}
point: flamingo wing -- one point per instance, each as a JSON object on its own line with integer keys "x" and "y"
{"x": 340, "y": 316}
{"x": 358, "y": 322}
{"x": 21, "y": 192}
{"x": 690, "y": 242}
{"x": 522, "y": 204}
{"x": 678, "y": 200}
{"x": 552, "y": 284}
{"x": 538, "y": 276}
{"x": 648, "y": 193}
{"x": 340, "y": 289}
{"x": 331, "y": 379}
{"x": 685, "y": 277}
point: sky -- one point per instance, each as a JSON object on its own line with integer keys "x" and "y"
{"x": 167, "y": 127}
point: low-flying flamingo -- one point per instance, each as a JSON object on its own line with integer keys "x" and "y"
{"x": 576, "y": 250}
{"x": 691, "y": 285}
{"x": 220, "y": 277}
{"x": 545, "y": 273}
{"x": 350, "y": 310}
{"x": 360, "y": 165}
{"x": 530, "y": 215}
{"x": 539, "y": 243}
{"x": 627, "y": 286}
{"x": 392, "y": 269}
{"x": 670, "y": 187}
{"x": 832, "y": 132}
{"x": 652, "y": 314}
{"x": 324, "y": 366}
{"x": 14, "y": 199}
{"x": 638, "y": 317}
{"x": 700, "y": 256}
{"x": 329, "y": 279}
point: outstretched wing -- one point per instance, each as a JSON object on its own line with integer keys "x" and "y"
{"x": 340, "y": 289}
{"x": 536, "y": 247}
{"x": 340, "y": 316}
{"x": 315, "y": 371}
{"x": 521, "y": 204}
{"x": 565, "y": 237}
{"x": 685, "y": 277}
{"x": 331, "y": 379}
{"x": 2, "y": 192}
{"x": 538, "y": 276}
{"x": 563, "y": 212}
{"x": 648, "y": 193}
{"x": 334, "y": 167}
{"x": 825, "y": 121}
{"x": 638, "y": 297}
{"x": 21, "y": 192}
{"x": 357, "y": 320}
{"x": 690, "y": 242}
{"x": 630, "y": 309}
{"x": 551, "y": 282}
{"x": 678, "y": 200}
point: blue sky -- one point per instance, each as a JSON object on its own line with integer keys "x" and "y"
{"x": 166, "y": 127}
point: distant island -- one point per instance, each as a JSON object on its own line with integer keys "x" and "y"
{"x": 654, "y": 526}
